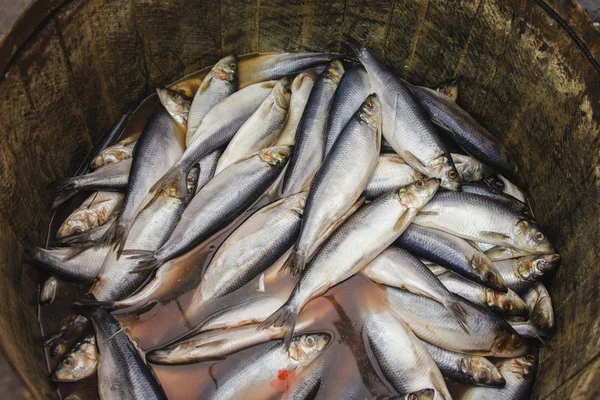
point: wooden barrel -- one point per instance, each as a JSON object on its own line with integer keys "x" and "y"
{"x": 528, "y": 70}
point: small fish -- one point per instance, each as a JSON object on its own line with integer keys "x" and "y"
{"x": 113, "y": 154}
{"x": 391, "y": 173}
{"x": 361, "y": 238}
{"x": 302, "y": 86}
{"x": 113, "y": 178}
{"x": 310, "y": 135}
{"x": 261, "y": 129}
{"x": 520, "y": 274}
{"x": 79, "y": 363}
{"x": 469, "y": 369}
{"x": 271, "y": 371}
{"x": 220, "y": 83}
{"x": 470, "y": 169}
{"x": 95, "y": 211}
{"x": 48, "y": 291}
{"x": 122, "y": 372}
{"x": 176, "y": 105}
{"x": 69, "y": 265}
{"x": 519, "y": 374}
{"x": 68, "y": 335}
{"x": 541, "y": 314}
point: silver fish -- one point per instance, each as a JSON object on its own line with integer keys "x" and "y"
{"x": 48, "y": 291}
{"x": 176, "y": 105}
{"x": 527, "y": 330}
{"x": 473, "y": 370}
{"x": 489, "y": 334}
{"x": 310, "y": 136}
{"x": 208, "y": 166}
{"x": 391, "y": 173}
{"x": 453, "y": 253}
{"x": 255, "y": 377}
{"x": 81, "y": 267}
{"x": 470, "y": 169}
{"x": 113, "y": 154}
{"x": 302, "y": 85}
{"x": 406, "y": 125}
{"x": 122, "y": 372}
{"x": 224, "y": 198}
{"x": 399, "y": 268}
{"x": 522, "y": 273}
{"x": 499, "y": 253}
{"x": 481, "y": 189}
{"x": 217, "y": 128}
{"x": 95, "y": 211}
{"x": 352, "y": 90}
{"x": 261, "y": 129}
{"x": 403, "y": 359}
{"x": 157, "y": 149}
{"x": 254, "y": 246}
{"x": 71, "y": 330}
{"x": 220, "y": 83}
{"x": 508, "y": 303}
{"x": 519, "y": 374}
{"x": 113, "y": 177}
{"x": 541, "y": 314}
{"x": 340, "y": 180}
{"x": 481, "y": 219}
{"x": 79, "y": 363}
{"x": 361, "y": 238}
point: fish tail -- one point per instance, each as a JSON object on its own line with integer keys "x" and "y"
{"x": 65, "y": 189}
{"x": 284, "y": 318}
{"x": 294, "y": 264}
{"x": 174, "y": 178}
{"x": 82, "y": 239}
{"x": 109, "y": 236}
{"x": 147, "y": 260}
{"x": 121, "y": 234}
{"x": 459, "y": 312}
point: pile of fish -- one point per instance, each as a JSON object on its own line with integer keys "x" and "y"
{"x": 345, "y": 213}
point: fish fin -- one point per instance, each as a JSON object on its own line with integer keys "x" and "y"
{"x": 109, "y": 236}
{"x": 174, "y": 178}
{"x": 458, "y": 311}
{"x": 65, "y": 189}
{"x": 404, "y": 221}
{"x": 284, "y": 318}
{"x": 294, "y": 264}
{"x": 147, "y": 260}
{"x": 494, "y": 235}
{"x": 428, "y": 213}
{"x": 78, "y": 240}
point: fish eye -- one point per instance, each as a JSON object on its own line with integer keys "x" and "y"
{"x": 368, "y": 105}
{"x": 233, "y": 66}
{"x": 68, "y": 362}
{"x": 310, "y": 341}
{"x": 419, "y": 184}
{"x": 539, "y": 236}
{"x": 507, "y": 306}
{"x": 517, "y": 342}
{"x": 530, "y": 358}
{"x": 452, "y": 174}
{"x": 482, "y": 376}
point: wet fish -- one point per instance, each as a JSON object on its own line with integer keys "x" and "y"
{"x": 276, "y": 66}
{"x": 113, "y": 177}
{"x": 527, "y": 330}
{"x": 508, "y": 303}
{"x": 406, "y": 125}
{"x": 157, "y": 149}
{"x": 225, "y": 197}
{"x": 352, "y": 90}
{"x": 80, "y": 267}
{"x": 398, "y": 268}
{"x": 541, "y": 314}
{"x": 481, "y": 189}
{"x": 470, "y": 169}
{"x": 473, "y": 370}
{"x": 79, "y": 363}
{"x": 522, "y": 273}
{"x": 519, "y": 374}
{"x": 208, "y": 167}
{"x": 466, "y": 131}
{"x": 113, "y": 154}
{"x": 489, "y": 335}
{"x": 453, "y": 253}
{"x": 391, "y": 173}
{"x": 310, "y": 135}
{"x": 499, "y": 253}
{"x": 253, "y": 247}
{"x": 258, "y": 377}
{"x": 302, "y": 85}
{"x": 176, "y": 105}
{"x": 48, "y": 291}
{"x": 220, "y": 83}
{"x": 261, "y": 129}
{"x": 122, "y": 372}
{"x": 361, "y": 238}
{"x": 95, "y": 211}
{"x": 481, "y": 219}
{"x": 340, "y": 180}
{"x": 403, "y": 359}
{"x": 217, "y": 129}
{"x": 69, "y": 333}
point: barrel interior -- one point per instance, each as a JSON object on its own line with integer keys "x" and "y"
{"x": 527, "y": 69}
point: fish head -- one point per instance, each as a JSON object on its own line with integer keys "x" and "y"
{"x": 506, "y": 303}
{"x": 520, "y": 366}
{"x": 449, "y": 89}
{"x": 423, "y": 394}
{"x": 370, "y": 111}
{"x": 418, "y": 193}
{"x": 296, "y": 202}
{"x": 495, "y": 183}
{"x": 535, "y": 266}
{"x": 306, "y": 77}
{"x": 482, "y": 371}
{"x": 172, "y": 100}
{"x": 282, "y": 92}
{"x": 508, "y": 343}
{"x": 306, "y": 348}
{"x": 275, "y": 156}
{"x": 334, "y": 72}
{"x": 542, "y": 315}
{"x": 76, "y": 365}
{"x": 191, "y": 181}
{"x": 73, "y": 226}
{"x": 528, "y": 236}
{"x": 488, "y": 273}
{"x": 450, "y": 179}
{"x": 227, "y": 69}
{"x": 472, "y": 170}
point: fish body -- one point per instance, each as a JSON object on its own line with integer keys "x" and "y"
{"x": 208, "y": 167}
{"x": 176, "y": 105}
{"x": 406, "y": 125}
{"x": 95, "y": 211}
{"x": 481, "y": 189}
{"x": 122, "y": 373}
{"x": 340, "y": 180}
{"x": 352, "y": 90}
{"x": 499, "y": 253}
{"x": 79, "y": 363}
{"x": 522, "y": 273}
{"x": 113, "y": 154}
{"x": 391, "y": 172}
{"x": 310, "y": 135}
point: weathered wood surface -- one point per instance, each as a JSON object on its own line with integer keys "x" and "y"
{"x": 70, "y": 67}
